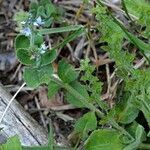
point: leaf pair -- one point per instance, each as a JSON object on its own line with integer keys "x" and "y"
{"x": 27, "y": 55}
{"x": 46, "y": 10}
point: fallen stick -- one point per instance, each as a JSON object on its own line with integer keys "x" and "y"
{"x": 18, "y": 122}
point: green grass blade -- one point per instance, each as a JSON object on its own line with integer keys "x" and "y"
{"x": 51, "y": 139}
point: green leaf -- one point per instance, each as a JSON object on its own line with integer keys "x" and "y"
{"x": 31, "y": 77}
{"x": 106, "y": 139}
{"x": 143, "y": 47}
{"x": 66, "y": 72}
{"x": 12, "y": 143}
{"x": 36, "y": 76}
{"x": 41, "y": 12}
{"x": 139, "y": 43}
{"x": 38, "y": 39}
{"x": 140, "y": 136}
{"x": 50, "y": 9}
{"x": 86, "y": 123}
{"x": 48, "y": 22}
{"x": 22, "y": 41}
{"x": 125, "y": 111}
{"x": 140, "y": 9}
{"x": 52, "y": 89}
{"x": 24, "y": 57}
{"x": 60, "y": 29}
{"x": 48, "y": 57}
{"x": 21, "y": 16}
{"x": 77, "y": 101}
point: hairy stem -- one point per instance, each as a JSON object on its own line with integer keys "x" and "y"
{"x": 144, "y": 146}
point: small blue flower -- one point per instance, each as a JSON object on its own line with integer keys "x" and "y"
{"x": 43, "y": 48}
{"x": 23, "y": 22}
{"x": 38, "y": 22}
{"x": 26, "y": 31}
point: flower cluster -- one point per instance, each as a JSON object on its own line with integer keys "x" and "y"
{"x": 26, "y": 30}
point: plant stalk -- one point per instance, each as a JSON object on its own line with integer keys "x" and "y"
{"x": 144, "y": 146}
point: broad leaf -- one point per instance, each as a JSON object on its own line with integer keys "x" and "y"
{"x": 106, "y": 139}
{"x": 66, "y": 72}
{"x": 86, "y": 123}
{"x": 82, "y": 99}
{"x": 22, "y": 42}
{"x": 36, "y": 76}
{"x": 24, "y": 57}
{"x": 48, "y": 57}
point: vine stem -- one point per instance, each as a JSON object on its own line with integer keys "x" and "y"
{"x": 6, "y": 109}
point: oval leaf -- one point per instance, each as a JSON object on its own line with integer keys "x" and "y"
{"x": 37, "y": 76}
{"x": 24, "y": 57}
{"x": 22, "y": 41}
{"x": 48, "y": 57}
